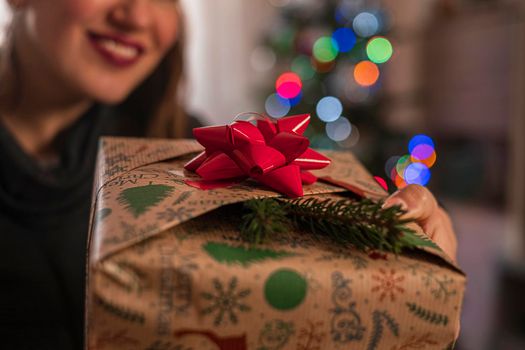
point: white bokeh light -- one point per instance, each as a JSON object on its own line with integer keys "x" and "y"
{"x": 339, "y": 130}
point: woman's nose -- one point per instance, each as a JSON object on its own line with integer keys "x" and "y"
{"x": 132, "y": 14}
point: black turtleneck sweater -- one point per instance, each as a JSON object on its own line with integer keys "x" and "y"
{"x": 44, "y": 214}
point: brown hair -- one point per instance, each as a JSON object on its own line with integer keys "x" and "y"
{"x": 157, "y": 101}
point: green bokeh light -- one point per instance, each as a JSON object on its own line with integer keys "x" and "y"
{"x": 325, "y": 49}
{"x": 379, "y": 50}
{"x": 302, "y": 66}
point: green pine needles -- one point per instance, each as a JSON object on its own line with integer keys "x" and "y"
{"x": 362, "y": 224}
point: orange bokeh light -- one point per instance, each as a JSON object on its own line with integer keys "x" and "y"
{"x": 429, "y": 162}
{"x": 400, "y": 182}
{"x": 366, "y": 73}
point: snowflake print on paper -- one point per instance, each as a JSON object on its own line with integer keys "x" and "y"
{"x": 388, "y": 284}
{"x": 441, "y": 286}
{"x": 311, "y": 337}
{"x": 225, "y": 300}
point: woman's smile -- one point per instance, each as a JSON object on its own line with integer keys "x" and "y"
{"x": 100, "y": 50}
{"x": 115, "y": 49}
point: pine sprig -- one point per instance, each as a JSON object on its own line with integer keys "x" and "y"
{"x": 265, "y": 218}
{"x": 363, "y": 224}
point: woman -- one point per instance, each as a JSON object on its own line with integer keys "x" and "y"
{"x": 65, "y": 61}
{"x": 71, "y": 71}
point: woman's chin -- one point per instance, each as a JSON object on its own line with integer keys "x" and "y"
{"x": 110, "y": 97}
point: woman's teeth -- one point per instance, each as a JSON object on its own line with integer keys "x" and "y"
{"x": 118, "y": 49}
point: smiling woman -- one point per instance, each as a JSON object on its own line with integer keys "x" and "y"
{"x": 70, "y": 72}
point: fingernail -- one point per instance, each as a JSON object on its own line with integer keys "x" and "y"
{"x": 391, "y": 202}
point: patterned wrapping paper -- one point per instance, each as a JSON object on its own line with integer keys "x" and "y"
{"x": 167, "y": 270}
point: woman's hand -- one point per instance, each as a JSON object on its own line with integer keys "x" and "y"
{"x": 421, "y": 206}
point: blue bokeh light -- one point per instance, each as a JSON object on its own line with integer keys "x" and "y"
{"x": 329, "y": 109}
{"x": 365, "y": 24}
{"x": 345, "y": 39}
{"x": 417, "y": 173}
{"x": 339, "y": 130}
{"x": 276, "y": 106}
{"x": 420, "y": 139}
{"x": 292, "y": 101}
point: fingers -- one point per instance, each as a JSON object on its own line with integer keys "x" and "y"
{"x": 444, "y": 235}
{"x": 421, "y": 206}
{"x": 417, "y": 200}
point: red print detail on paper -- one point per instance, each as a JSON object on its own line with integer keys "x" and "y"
{"x": 388, "y": 284}
{"x": 224, "y": 343}
{"x": 311, "y": 337}
{"x": 118, "y": 339}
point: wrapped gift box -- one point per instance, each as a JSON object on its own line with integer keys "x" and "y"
{"x": 168, "y": 270}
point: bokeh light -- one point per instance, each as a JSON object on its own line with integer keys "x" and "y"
{"x": 381, "y": 182}
{"x": 262, "y": 59}
{"x": 365, "y": 24}
{"x": 366, "y": 73}
{"x": 345, "y": 39}
{"x": 289, "y": 85}
{"x": 352, "y": 140}
{"x": 329, "y": 109}
{"x": 429, "y": 161}
{"x": 417, "y": 173}
{"x": 422, "y": 151}
{"x": 293, "y": 101}
{"x": 276, "y": 106}
{"x": 391, "y": 165}
{"x": 403, "y": 163}
{"x": 339, "y": 130}
{"x": 325, "y": 49}
{"x": 419, "y": 140}
{"x": 302, "y": 66}
{"x": 345, "y": 11}
{"x": 400, "y": 182}
{"x": 379, "y": 50}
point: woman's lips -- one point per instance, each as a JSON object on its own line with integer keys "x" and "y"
{"x": 115, "y": 49}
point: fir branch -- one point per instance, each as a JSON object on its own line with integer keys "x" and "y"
{"x": 265, "y": 218}
{"x": 363, "y": 224}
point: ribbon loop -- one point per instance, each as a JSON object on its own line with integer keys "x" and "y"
{"x": 273, "y": 153}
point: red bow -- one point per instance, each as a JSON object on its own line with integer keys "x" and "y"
{"x": 274, "y": 153}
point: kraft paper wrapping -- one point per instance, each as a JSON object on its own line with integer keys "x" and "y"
{"x": 167, "y": 270}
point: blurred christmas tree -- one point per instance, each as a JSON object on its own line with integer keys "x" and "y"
{"x": 327, "y": 57}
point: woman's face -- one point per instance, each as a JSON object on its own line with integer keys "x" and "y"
{"x": 102, "y": 49}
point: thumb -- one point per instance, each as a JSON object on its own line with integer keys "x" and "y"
{"x": 417, "y": 200}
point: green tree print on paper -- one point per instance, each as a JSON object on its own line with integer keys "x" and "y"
{"x": 103, "y": 213}
{"x": 228, "y": 254}
{"x": 138, "y": 200}
{"x": 225, "y": 301}
{"x": 427, "y": 315}
{"x": 381, "y": 319}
